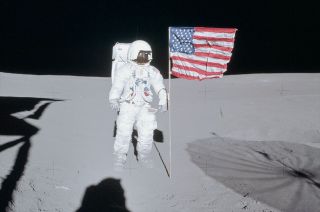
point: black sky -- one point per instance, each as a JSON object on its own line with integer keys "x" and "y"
{"x": 76, "y": 37}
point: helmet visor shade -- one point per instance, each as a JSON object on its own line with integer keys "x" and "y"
{"x": 144, "y": 57}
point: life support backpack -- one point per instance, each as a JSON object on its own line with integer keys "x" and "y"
{"x": 119, "y": 57}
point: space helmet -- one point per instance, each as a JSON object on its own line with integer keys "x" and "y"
{"x": 140, "y": 52}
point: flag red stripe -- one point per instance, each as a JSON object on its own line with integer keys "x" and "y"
{"x": 187, "y": 68}
{"x": 184, "y": 76}
{"x": 197, "y": 37}
{"x": 203, "y": 63}
{"x": 219, "y": 30}
{"x": 176, "y": 74}
{"x": 216, "y": 56}
{"x": 222, "y": 48}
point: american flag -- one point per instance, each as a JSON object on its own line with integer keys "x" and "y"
{"x": 199, "y": 53}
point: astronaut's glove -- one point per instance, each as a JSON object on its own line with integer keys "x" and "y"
{"x": 163, "y": 108}
{"x": 163, "y": 97}
{"x": 114, "y": 104}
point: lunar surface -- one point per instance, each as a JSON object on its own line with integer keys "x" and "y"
{"x": 240, "y": 143}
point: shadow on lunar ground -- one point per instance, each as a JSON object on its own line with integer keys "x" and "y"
{"x": 157, "y": 134}
{"x": 18, "y": 127}
{"x": 157, "y": 137}
{"x": 281, "y": 174}
{"x": 108, "y": 195}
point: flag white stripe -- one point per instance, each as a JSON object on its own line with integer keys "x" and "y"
{"x": 197, "y": 66}
{"x": 218, "y": 43}
{"x": 215, "y": 34}
{"x": 211, "y": 50}
{"x": 204, "y": 59}
{"x": 187, "y": 73}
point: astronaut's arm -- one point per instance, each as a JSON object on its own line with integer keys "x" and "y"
{"x": 162, "y": 93}
{"x": 117, "y": 86}
{"x": 160, "y": 89}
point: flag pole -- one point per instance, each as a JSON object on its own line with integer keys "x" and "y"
{"x": 169, "y": 103}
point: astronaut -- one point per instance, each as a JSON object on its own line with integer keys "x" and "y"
{"x": 131, "y": 95}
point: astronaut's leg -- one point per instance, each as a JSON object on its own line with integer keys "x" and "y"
{"x": 146, "y": 124}
{"x": 125, "y": 121}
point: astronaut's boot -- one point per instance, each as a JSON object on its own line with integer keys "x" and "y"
{"x": 119, "y": 161}
{"x": 145, "y": 160}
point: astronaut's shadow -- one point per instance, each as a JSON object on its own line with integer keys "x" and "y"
{"x": 157, "y": 137}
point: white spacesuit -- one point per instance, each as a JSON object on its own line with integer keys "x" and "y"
{"x": 131, "y": 94}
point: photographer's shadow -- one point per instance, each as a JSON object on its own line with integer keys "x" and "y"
{"x": 108, "y": 195}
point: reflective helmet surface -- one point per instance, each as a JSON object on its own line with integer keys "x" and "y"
{"x": 140, "y": 52}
